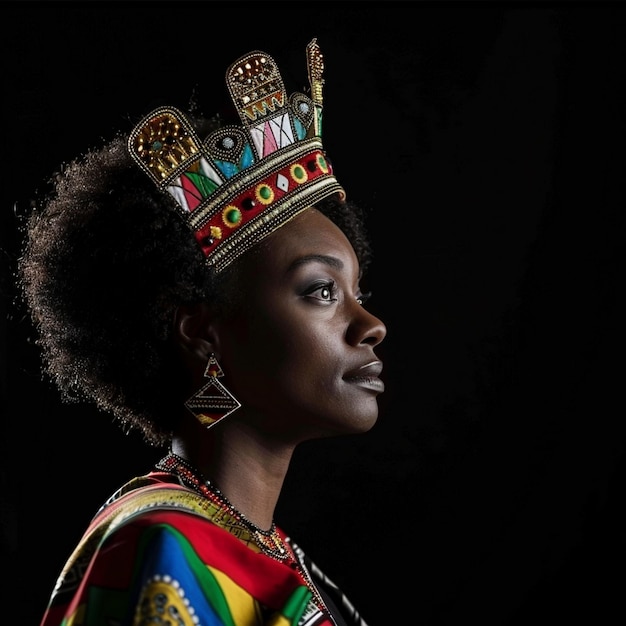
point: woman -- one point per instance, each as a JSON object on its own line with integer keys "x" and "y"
{"x": 206, "y": 293}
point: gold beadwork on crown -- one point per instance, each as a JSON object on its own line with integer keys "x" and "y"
{"x": 164, "y": 144}
{"x": 316, "y": 71}
{"x": 255, "y": 86}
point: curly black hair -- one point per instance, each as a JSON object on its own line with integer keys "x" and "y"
{"x": 106, "y": 260}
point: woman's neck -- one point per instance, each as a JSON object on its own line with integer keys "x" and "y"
{"x": 241, "y": 463}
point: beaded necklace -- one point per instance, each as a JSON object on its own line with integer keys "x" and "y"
{"x": 268, "y": 541}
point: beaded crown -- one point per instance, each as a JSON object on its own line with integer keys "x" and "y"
{"x": 242, "y": 182}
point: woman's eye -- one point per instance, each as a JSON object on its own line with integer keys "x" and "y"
{"x": 323, "y": 291}
{"x": 364, "y": 297}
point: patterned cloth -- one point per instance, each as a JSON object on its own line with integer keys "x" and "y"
{"x": 153, "y": 555}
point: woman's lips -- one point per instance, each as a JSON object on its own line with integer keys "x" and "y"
{"x": 367, "y": 377}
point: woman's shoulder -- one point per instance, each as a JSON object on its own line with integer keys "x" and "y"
{"x": 138, "y": 483}
{"x": 144, "y": 496}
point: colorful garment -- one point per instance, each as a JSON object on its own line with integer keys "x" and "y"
{"x": 156, "y": 554}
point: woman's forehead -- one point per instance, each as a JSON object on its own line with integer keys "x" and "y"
{"x": 308, "y": 234}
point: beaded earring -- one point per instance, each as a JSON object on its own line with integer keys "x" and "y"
{"x": 213, "y": 402}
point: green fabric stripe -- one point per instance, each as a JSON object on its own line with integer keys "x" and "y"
{"x": 205, "y": 577}
{"x": 296, "y": 604}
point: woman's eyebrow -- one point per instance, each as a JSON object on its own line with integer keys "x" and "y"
{"x": 331, "y": 261}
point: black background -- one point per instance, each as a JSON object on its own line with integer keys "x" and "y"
{"x": 486, "y": 141}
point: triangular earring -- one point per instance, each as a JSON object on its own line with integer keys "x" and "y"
{"x": 213, "y": 402}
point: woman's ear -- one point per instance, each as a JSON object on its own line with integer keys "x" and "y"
{"x": 193, "y": 330}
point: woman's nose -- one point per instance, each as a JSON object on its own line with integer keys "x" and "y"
{"x": 366, "y": 327}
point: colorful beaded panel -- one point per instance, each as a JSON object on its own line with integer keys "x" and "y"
{"x": 242, "y": 182}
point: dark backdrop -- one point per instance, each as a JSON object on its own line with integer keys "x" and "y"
{"x": 486, "y": 141}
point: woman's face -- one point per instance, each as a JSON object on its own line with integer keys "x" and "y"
{"x": 299, "y": 352}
